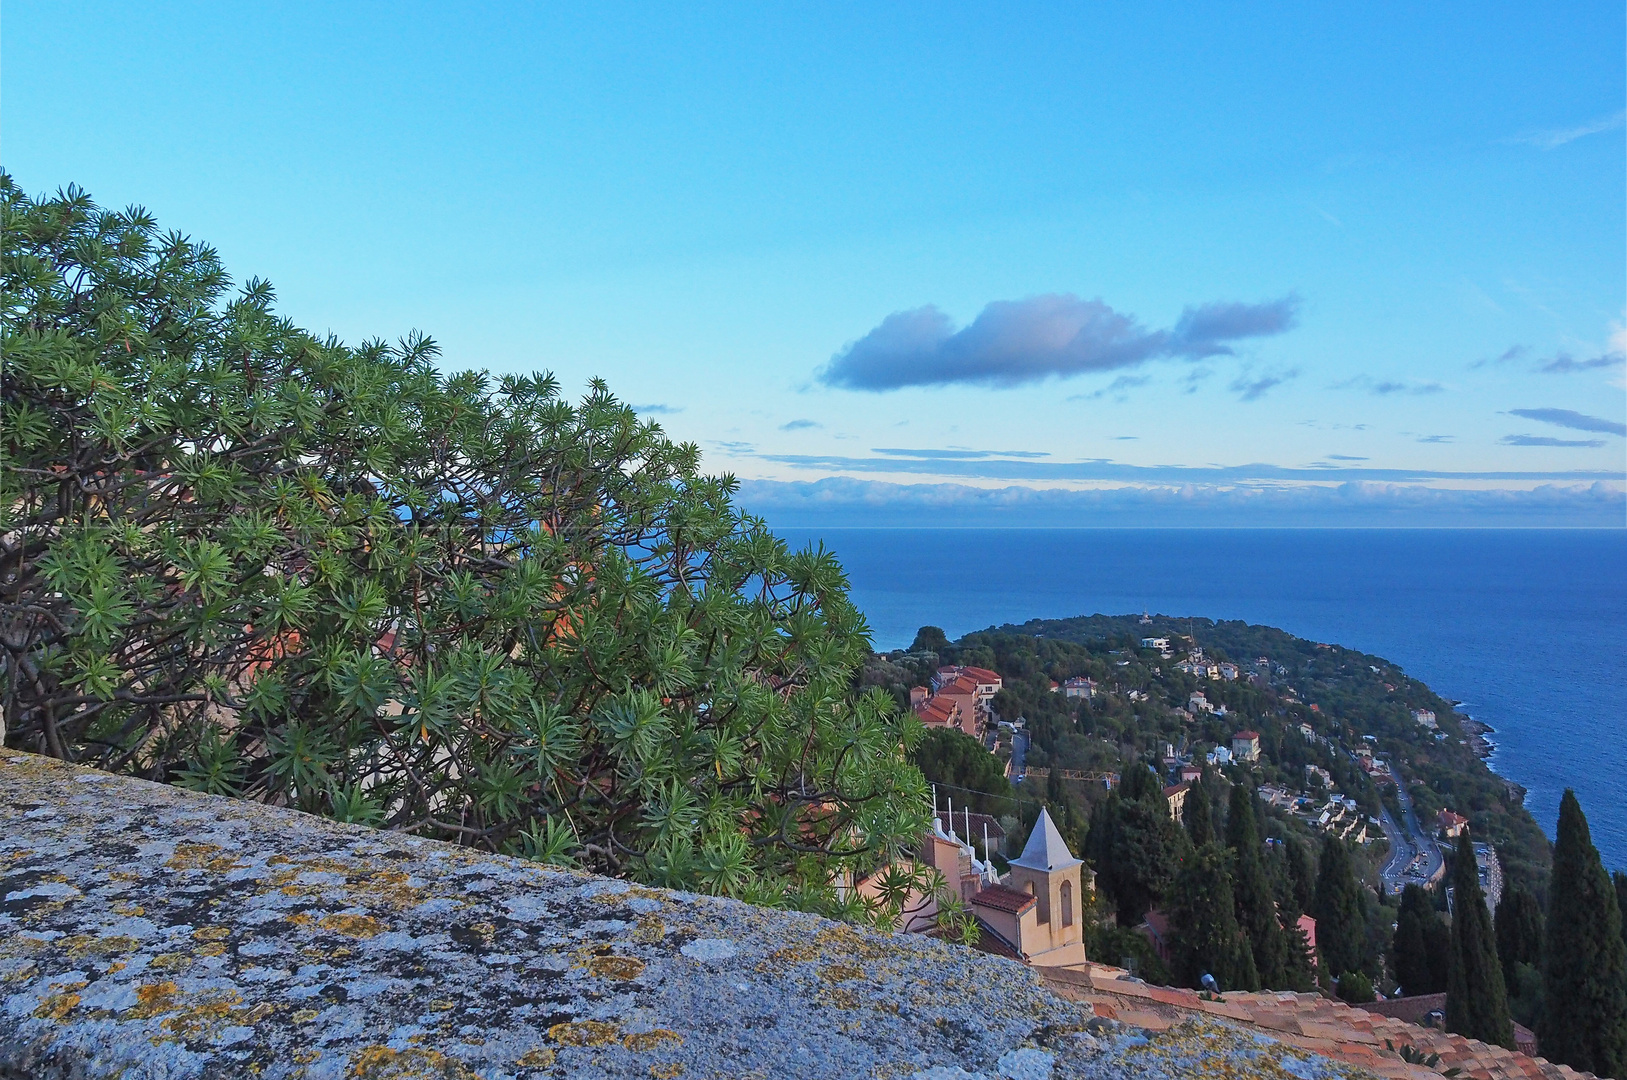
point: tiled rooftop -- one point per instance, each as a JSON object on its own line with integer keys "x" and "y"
{"x": 1307, "y": 1021}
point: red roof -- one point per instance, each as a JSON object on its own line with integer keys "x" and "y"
{"x": 982, "y": 674}
{"x": 1246, "y": 735}
{"x": 1003, "y": 898}
{"x": 1173, "y": 788}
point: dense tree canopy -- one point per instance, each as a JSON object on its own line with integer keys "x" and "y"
{"x": 1476, "y": 996}
{"x": 1208, "y": 938}
{"x": 260, "y": 563}
{"x": 1584, "y": 963}
{"x": 1420, "y": 950}
{"x": 1256, "y": 905}
{"x": 1339, "y": 910}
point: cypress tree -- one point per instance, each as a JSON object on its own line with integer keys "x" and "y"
{"x": 1341, "y": 927}
{"x": 1584, "y": 970}
{"x": 1419, "y": 949}
{"x": 1301, "y": 876}
{"x": 1519, "y": 930}
{"x": 1199, "y": 820}
{"x": 1207, "y": 938}
{"x": 1251, "y": 890}
{"x": 1476, "y": 997}
{"x": 1620, "y": 879}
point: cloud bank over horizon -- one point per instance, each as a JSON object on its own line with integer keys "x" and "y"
{"x": 1057, "y": 335}
{"x": 842, "y": 502}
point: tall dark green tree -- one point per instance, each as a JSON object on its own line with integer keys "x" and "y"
{"x": 1421, "y": 947}
{"x": 1584, "y": 964}
{"x": 1135, "y": 843}
{"x": 1203, "y": 922}
{"x": 1197, "y": 816}
{"x": 1300, "y": 876}
{"x": 1476, "y": 996}
{"x": 1519, "y": 930}
{"x": 1251, "y": 890}
{"x": 259, "y": 562}
{"x": 1620, "y": 878}
{"x": 1341, "y": 924}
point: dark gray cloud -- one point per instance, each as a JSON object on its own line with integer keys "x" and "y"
{"x": 1250, "y": 387}
{"x": 962, "y": 455}
{"x": 1546, "y": 440}
{"x": 800, "y": 425}
{"x": 1107, "y": 469}
{"x": 1117, "y": 388}
{"x": 1012, "y": 342}
{"x": 1388, "y": 387}
{"x": 658, "y": 410}
{"x": 1346, "y": 457}
{"x": 1513, "y": 352}
{"x": 837, "y": 501}
{"x": 1574, "y": 420}
{"x": 1564, "y": 363}
{"x": 1437, "y": 438}
{"x": 735, "y": 447}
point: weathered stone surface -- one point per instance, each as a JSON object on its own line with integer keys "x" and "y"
{"x": 147, "y": 932}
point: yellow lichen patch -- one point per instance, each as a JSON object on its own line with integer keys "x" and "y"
{"x": 80, "y": 946}
{"x": 650, "y": 930}
{"x": 616, "y": 967}
{"x": 792, "y": 954}
{"x": 840, "y": 972}
{"x": 124, "y": 875}
{"x": 58, "y": 1005}
{"x": 131, "y": 911}
{"x": 387, "y": 888}
{"x": 305, "y": 1057}
{"x": 211, "y": 933}
{"x": 667, "y": 1071}
{"x": 171, "y": 961}
{"x": 443, "y": 1004}
{"x": 651, "y": 1040}
{"x": 190, "y": 855}
{"x": 536, "y": 1059}
{"x": 304, "y": 1016}
{"x": 840, "y": 997}
{"x": 214, "y": 948}
{"x": 300, "y": 918}
{"x": 203, "y": 1014}
{"x": 356, "y": 926}
{"x": 584, "y": 1033}
{"x": 383, "y": 1063}
{"x": 26, "y": 973}
{"x": 154, "y": 999}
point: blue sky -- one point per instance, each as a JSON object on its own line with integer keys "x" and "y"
{"x": 1157, "y": 265}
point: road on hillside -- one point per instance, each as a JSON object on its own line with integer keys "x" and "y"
{"x": 1414, "y": 857}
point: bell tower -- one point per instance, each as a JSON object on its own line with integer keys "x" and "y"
{"x": 1048, "y": 871}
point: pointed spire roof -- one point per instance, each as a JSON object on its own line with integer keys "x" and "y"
{"x": 1045, "y": 850}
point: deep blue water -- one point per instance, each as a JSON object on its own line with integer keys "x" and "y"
{"x": 1528, "y": 628}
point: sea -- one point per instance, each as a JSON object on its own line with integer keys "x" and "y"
{"x": 1526, "y": 628}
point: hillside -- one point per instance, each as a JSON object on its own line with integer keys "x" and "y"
{"x": 1313, "y": 704}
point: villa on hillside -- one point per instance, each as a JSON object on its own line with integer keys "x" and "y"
{"x": 1451, "y": 824}
{"x": 960, "y": 698}
{"x": 1175, "y": 798}
{"x": 1246, "y": 746}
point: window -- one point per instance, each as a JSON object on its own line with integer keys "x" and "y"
{"x": 1067, "y": 903}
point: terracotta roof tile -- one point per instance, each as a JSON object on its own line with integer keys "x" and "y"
{"x": 1002, "y": 898}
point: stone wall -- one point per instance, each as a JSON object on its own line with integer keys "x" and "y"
{"x": 148, "y": 932}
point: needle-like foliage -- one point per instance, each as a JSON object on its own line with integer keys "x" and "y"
{"x": 244, "y": 559}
